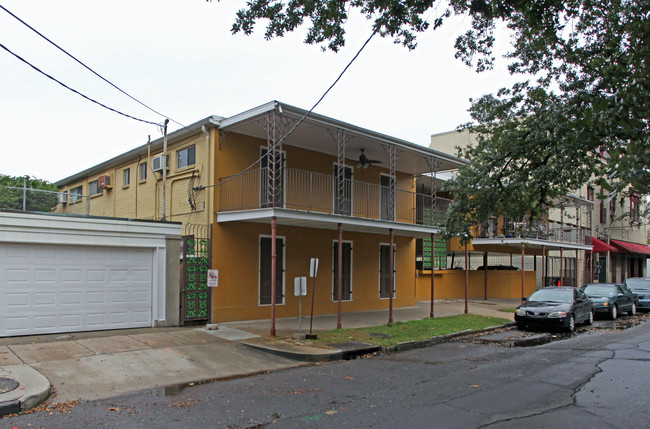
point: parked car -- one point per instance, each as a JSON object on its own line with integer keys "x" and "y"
{"x": 611, "y": 298}
{"x": 641, "y": 287}
{"x": 558, "y": 307}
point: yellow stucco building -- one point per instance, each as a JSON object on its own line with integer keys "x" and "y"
{"x": 263, "y": 192}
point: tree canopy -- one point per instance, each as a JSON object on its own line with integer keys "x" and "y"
{"x": 580, "y": 112}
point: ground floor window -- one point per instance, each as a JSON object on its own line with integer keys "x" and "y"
{"x": 384, "y": 271}
{"x": 346, "y": 292}
{"x": 265, "y": 271}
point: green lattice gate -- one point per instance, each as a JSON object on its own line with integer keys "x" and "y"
{"x": 195, "y": 294}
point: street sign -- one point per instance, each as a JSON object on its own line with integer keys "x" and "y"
{"x": 313, "y": 267}
{"x": 300, "y": 286}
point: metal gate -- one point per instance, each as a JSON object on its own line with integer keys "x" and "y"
{"x": 196, "y": 297}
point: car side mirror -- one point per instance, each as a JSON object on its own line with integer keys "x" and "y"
{"x": 524, "y": 299}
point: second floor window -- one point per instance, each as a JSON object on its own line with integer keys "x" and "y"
{"x": 93, "y": 188}
{"x": 127, "y": 176}
{"x": 185, "y": 157}
{"x": 76, "y": 194}
{"x": 634, "y": 208}
{"x": 143, "y": 171}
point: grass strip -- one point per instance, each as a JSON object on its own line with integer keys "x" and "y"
{"x": 413, "y": 330}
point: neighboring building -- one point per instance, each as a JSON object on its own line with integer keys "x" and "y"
{"x": 559, "y": 248}
{"x": 329, "y": 190}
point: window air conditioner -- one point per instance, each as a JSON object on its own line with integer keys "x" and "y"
{"x": 63, "y": 197}
{"x": 104, "y": 182}
{"x": 158, "y": 162}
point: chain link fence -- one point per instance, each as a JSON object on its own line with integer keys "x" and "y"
{"x": 41, "y": 201}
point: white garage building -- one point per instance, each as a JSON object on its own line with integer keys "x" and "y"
{"x": 68, "y": 274}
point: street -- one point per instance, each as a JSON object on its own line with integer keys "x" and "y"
{"x": 595, "y": 379}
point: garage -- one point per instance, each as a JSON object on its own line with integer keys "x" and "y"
{"x": 50, "y": 288}
{"x": 63, "y": 274}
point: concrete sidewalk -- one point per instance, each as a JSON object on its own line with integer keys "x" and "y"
{"x": 102, "y": 364}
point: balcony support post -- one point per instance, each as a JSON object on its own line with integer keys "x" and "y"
{"x": 544, "y": 266}
{"x": 523, "y": 276}
{"x": 273, "y": 272}
{"x": 274, "y": 123}
{"x": 391, "y": 274}
{"x": 433, "y": 251}
{"x": 485, "y": 275}
{"x": 339, "y": 277}
{"x": 393, "y": 153}
{"x": 342, "y": 139}
{"x": 466, "y": 277}
{"x": 433, "y": 164}
{"x": 561, "y": 268}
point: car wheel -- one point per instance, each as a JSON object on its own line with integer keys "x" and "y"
{"x": 590, "y": 318}
{"x": 572, "y": 324}
{"x": 521, "y": 326}
{"x": 613, "y": 313}
{"x": 632, "y": 311}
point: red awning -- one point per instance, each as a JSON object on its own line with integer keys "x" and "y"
{"x": 626, "y": 246}
{"x": 600, "y": 246}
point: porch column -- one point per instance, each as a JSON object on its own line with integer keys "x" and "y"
{"x": 561, "y": 268}
{"x": 523, "y": 277}
{"x": 391, "y": 276}
{"x": 273, "y": 273}
{"x": 591, "y": 266}
{"x": 543, "y": 266}
{"x": 466, "y": 276}
{"x": 433, "y": 251}
{"x": 576, "y": 270}
{"x": 339, "y": 280}
{"x": 485, "y": 274}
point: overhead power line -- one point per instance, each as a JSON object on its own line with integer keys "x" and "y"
{"x": 88, "y": 68}
{"x": 279, "y": 142}
{"x": 74, "y": 90}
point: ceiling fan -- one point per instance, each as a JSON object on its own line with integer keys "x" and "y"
{"x": 364, "y": 162}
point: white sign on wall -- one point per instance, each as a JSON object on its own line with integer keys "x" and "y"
{"x": 213, "y": 278}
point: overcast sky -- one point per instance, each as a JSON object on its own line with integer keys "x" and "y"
{"x": 180, "y": 58}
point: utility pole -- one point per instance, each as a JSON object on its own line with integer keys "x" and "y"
{"x": 164, "y": 171}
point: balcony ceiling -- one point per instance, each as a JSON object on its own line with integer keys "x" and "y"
{"x": 313, "y": 134}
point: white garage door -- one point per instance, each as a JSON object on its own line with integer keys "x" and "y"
{"x": 57, "y": 288}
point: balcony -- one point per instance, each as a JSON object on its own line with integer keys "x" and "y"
{"x": 551, "y": 231}
{"x": 319, "y": 193}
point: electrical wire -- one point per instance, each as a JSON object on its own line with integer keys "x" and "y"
{"x": 74, "y": 90}
{"x": 88, "y": 68}
{"x": 279, "y": 142}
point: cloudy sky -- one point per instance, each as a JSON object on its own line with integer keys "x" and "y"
{"x": 180, "y": 58}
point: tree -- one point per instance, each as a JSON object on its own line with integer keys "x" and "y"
{"x": 41, "y": 196}
{"x": 579, "y": 114}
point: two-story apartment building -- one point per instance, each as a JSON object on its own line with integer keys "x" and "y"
{"x": 272, "y": 188}
{"x": 589, "y": 239}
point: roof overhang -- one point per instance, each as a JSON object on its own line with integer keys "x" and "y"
{"x": 314, "y": 134}
{"x": 528, "y": 243}
{"x": 327, "y": 221}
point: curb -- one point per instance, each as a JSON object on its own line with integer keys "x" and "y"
{"x": 347, "y": 354}
{"x": 33, "y": 389}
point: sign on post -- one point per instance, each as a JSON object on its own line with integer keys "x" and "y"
{"x": 300, "y": 286}
{"x": 313, "y": 267}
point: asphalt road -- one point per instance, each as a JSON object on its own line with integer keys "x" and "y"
{"x": 596, "y": 379}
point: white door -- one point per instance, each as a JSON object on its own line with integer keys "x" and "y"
{"x": 61, "y": 288}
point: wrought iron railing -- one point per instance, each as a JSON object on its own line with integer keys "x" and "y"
{"x": 314, "y": 192}
{"x": 563, "y": 233}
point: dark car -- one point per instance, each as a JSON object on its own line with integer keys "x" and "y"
{"x": 641, "y": 287}
{"x": 555, "y": 307}
{"x": 611, "y": 298}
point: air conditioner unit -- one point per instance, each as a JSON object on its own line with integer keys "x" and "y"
{"x": 63, "y": 197}
{"x": 104, "y": 182}
{"x": 158, "y": 162}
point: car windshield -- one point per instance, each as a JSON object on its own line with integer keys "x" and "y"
{"x": 551, "y": 295}
{"x": 597, "y": 290}
{"x": 638, "y": 284}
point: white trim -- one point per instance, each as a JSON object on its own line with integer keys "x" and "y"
{"x": 259, "y": 269}
{"x": 334, "y": 243}
{"x": 530, "y": 242}
{"x": 327, "y": 221}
